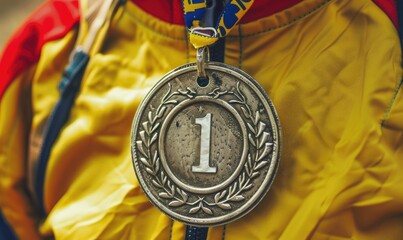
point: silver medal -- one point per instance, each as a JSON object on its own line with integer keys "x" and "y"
{"x": 206, "y": 143}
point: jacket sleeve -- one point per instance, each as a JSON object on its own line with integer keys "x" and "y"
{"x": 52, "y": 21}
{"x": 15, "y": 116}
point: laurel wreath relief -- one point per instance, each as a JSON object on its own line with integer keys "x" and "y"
{"x": 257, "y": 137}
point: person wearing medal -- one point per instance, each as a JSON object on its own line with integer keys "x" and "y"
{"x": 202, "y": 119}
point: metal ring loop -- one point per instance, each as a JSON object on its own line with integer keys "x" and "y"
{"x": 205, "y": 31}
{"x": 202, "y": 57}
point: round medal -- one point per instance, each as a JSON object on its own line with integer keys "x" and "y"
{"x": 206, "y": 149}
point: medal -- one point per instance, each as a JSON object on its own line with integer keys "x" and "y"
{"x": 206, "y": 143}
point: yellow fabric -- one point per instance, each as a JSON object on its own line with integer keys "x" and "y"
{"x": 331, "y": 68}
{"x": 199, "y": 41}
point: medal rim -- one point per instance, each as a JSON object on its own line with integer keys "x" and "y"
{"x": 272, "y": 169}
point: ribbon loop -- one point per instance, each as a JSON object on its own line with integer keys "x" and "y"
{"x": 204, "y": 31}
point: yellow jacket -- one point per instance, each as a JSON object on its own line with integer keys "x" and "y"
{"x": 332, "y": 69}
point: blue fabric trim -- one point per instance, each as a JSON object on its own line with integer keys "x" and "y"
{"x": 399, "y": 6}
{"x": 196, "y": 233}
{"x": 217, "y": 50}
{"x": 68, "y": 87}
{"x": 6, "y": 233}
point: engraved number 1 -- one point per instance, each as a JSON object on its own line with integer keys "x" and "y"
{"x": 204, "y": 166}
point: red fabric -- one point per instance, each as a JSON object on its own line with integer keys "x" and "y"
{"x": 51, "y": 21}
{"x": 165, "y": 10}
{"x": 389, "y": 7}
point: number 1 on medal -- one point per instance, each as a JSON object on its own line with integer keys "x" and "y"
{"x": 204, "y": 167}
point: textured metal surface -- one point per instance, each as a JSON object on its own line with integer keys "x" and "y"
{"x": 206, "y": 156}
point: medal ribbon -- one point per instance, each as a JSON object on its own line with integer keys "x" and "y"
{"x": 195, "y": 13}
